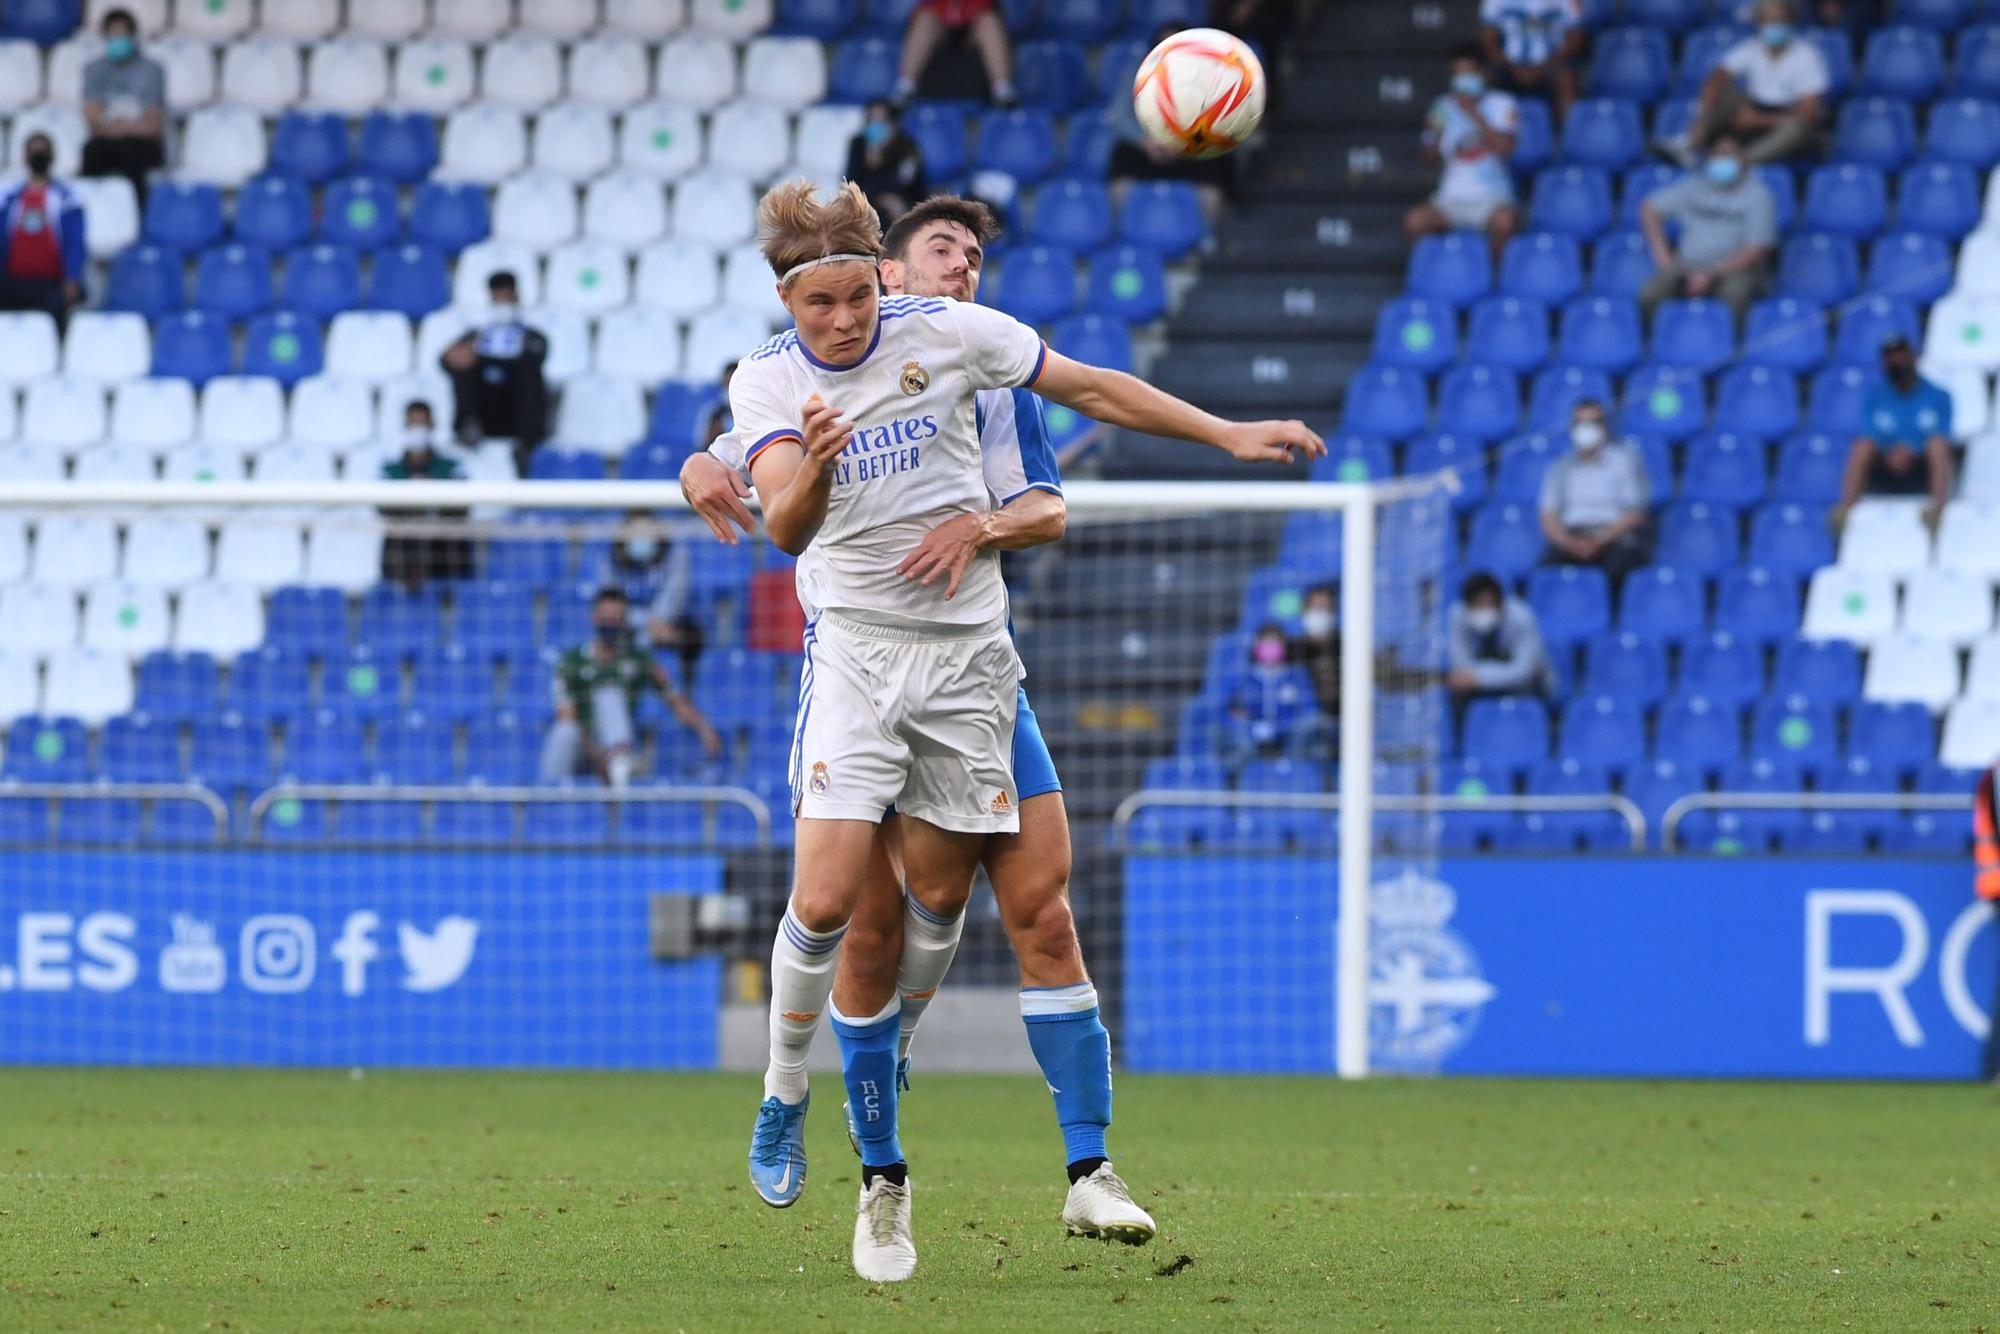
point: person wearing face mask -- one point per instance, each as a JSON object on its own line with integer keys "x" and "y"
{"x": 42, "y": 250}
{"x": 1767, "y": 92}
{"x": 1904, "y": 448}
{"x": 1471, "y": 132}
{"x": 886, "y": 163}
{"x": 125, "y": 105}
{"x": 652, "y": 565}
{"x": 1595, "y": 499}
{"x": 1729, "y": 228}
{"x": 411, "y": 558}
{"x": 1268, "y": 709}
{"x": 597, "y": 689}
{"x": 496, "y": 375}
{"x": 1493, "y": 644}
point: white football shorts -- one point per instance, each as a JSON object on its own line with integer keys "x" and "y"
{"x": 916, "y": 717}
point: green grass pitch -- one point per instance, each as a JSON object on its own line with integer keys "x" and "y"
{"x": 134, "y": 1199}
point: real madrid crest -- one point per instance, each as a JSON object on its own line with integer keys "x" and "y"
{"x": 915, "y": 379}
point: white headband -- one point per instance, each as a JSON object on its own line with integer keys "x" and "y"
{"x": 786, "y": 278}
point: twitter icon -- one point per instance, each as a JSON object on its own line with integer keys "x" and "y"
{"x": 436, "y": 959}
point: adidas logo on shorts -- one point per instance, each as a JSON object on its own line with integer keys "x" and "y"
{"x": 1000, "y": 803}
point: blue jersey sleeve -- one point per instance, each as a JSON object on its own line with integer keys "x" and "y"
{"x": 1015, "y": 453}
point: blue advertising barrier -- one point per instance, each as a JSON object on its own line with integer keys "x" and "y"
{"x": 349, "y": 958}
{"x": 1865, "y": 968}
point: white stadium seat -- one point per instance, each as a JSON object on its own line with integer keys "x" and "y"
{"x": 214, "y": 20}
{"x": 10, "y": 413}
{"x": 573, "y": 140}
{"x": 1950, "y": 606}
{"x": 1971, "y": 734}
{"x": 349, "y": 75}
{"x": 1885, "y": 535}
{"x": 1906, "y": 669}
{"x": 20, "y": 685}
{"x": 20, "y": 75}
{"x": 474, "y": 20}
{"x": 115, "y": 463}
{"x": 714, "y": 209}
{"x": 434, "y": 74}
{"x": 627, "y": 208}
{"x": 293, "y": 463}
{"x": 368, "y": 345}
{"x": 72, "y": 550}
{"x": 390, "y": 19}
{"x": 492, "y": 461}
{"x": 535, "y": 208}
{"x": 67, "y": 413}
{"x": 189, "y": 64}
{"x": 345, "y": 551}
{"x": 1982, "y": 678}
{"x": 477, "y": 262}
{"x": 259, "y": 552}
{"x": 750, "y": 139}
{"x": 165, "y": 551}
{"x": 244, "y": 411}
{"x": 89, "y": 684}
{"x": 263, "y": 73}
{"x": 332, "y": 413}
{"x": 158, "y": 412}
{"x": 393, "y": 397}
{"x": 719, "y": 337}
{"x": 110, "y": 213}
{"x": 787, "y": 71}
{"x": 1961, "y": 331}
{"x": 639, "y": 343}
{"x": 1967, "y": 538}
{"x": 13, "y": 548}
{"x": 601, "y": 414}
{"x": 66, "y": 130}
{"x": 660, "y": 138}
{"x": 568, "y": 332}
{"x": 29, "y": 349}
{"x": 1844, "y": 603}
{"x": 219, "y": 619}
{"x": 559, "y": 18}
{"x": 202, "y": 463}
{"x": 588, "y": 276}
{"x": 823, "y": 137}
{"x": 608, "y": 70}
{"x": 107, "y": 346}
{"x": 66, "y": 62}
{"x": 365, "y": 464}
{"x": 1971, "y": 398}
{"x": 31, "y": 463}
{"x": 37, "y": 618}
{"x": 521, "y": 70}
{"x": 697, "y": 70}
{"x": 299, "y": 19}
{"x": 438, "y": 331}
{"x": 738, "y": 20}
{"x": 224, "y": 145}
{"x": 483, "y": 143}
{"x": 1978, "y": 271}
{"x": 1981, "y": 478}
{"x": 648, "y": 19}
{"x": 747, "y": 283}
{"x": 679, "y": 278}
{"x": 126, "y": 618}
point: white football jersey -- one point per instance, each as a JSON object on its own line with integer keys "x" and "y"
{"x": 914, "y": 461}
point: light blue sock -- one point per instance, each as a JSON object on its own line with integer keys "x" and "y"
{"x": 868, "y": 1064}
{"x": 1074, "y": 1051}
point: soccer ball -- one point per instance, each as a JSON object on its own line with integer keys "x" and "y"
{"x": 1200, "y": 92}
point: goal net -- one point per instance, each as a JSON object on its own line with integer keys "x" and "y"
{"x": 374, "y": 773}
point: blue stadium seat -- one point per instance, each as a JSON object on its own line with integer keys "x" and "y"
{"x": 183, "y": 215}
{"x": 1556, "y": 391}
{"x": 1281, "y": 776}
{"x": 1480, "y": 401}
{"x": 322, "y": 280}
{"x": 231, "y": 754}
{"x": 1790, "y": 538}
{"x": 1929, "y": 834}
{"x": 577, "y": 824}
{"x": 1145, "y": 17}
{"x": 1534, "y": 137}
{"x": 1846, "y": 200}
{"x": 1964, "y": 130}
{"x": 1354, "y": 458}
{"x": 1831, "y": 833}
{"x": 1129, "y": 283}
{"x": 1697, "y": 538}
{"x": 1508, "y": 331}
{"x": 414, "y": 749}
{"x": 661, "y": 824}
{"x": 360, "y": 212}
{"x": 1603, "y": 730}
{"x": 179, "y": 687}
{"x": 1863, "y": 326}
{"x": 411, "y": 279}
{"x": 1437, "y": 450}
{"x": 1602, "y": 132}
{"x": 867, "y": 68}
{"x": 1310, "y": 549}
{"x": 551, "y": 464}
{"x": 1819, "y": 268}
{"x": 1663, "y": 402}
{"x": 1723, "y": 468}
{"x": 1875, "y": 132}
{"x": 1091, "y": 338}
{"x": 1858, "y": 774}
{"x": 1542, "y": 266}
{"x": 525, "y": 692}
{"x": 233, "y": 282}
{"x": 1180, "y": 828}
{"x": 1456, "y": 268}
{"x": 1600, "y": 332}
{"x": 99, "y": 821}
{"x": 137, "y": 748}
{"x": 1628, "y": 665}
{"x": 1620, "y": 264}
{"x": 1937, "y": 15}
{"x": 1941, "y": 198}
{"x": 1724, "y": 667}
{"x": 1575, "y": 201}
{"x": 886, "y": 16}
{"x": 1699, "y": 734}
{"x": 1088, "y": 143}
{"x": 1665, "y": 15}
{"x": 1659, "y": 464}
{"x": 1508, "y": 733}
{"x": 1185, "y": 774}
{"x": 1631, "y": 63}
{"x": 473, "y": 823}
{"x": 1673, "y": 119}
{"x": 272, "y": 212}
{"x": 824, "y": 19}
{"x": 1662, "y": 603}
{"x": 450, "y": 215}
{"x": 181, "y": 822}
{"x": 191, "y": 345}
{"x": 1082, "y": 21}
{"x": 1051, "y": 77}
{"x": 532, "y": 562}
{"x": 1785, "y": 332}
{"x": 503, "y": 750}
{"x": 1075, "y": 214}
{"x": 676, "y": 404}
{"x": 1572, "y": 603}
{"x": 1639, "y": 185}
{"x": 1910, "y": 266}
{"x": 364, "y": 685}
{"x": 310, "y": 146}
{"x": 1758, "y": 401}
{"x": 272, "y": 683}
{"x": 1523, "y": 461}
{"x": 1702, "y": 51}
{"x": 1834, "y": 404}
{"x": 1764, "y": 775}
{"x": 400, "y": 146}
{"x": 1935, "y": 778}
{"x": 1975, "y": 66}
{"x": 1416, "y": 333}
{"x": 1902, "y": 62}
{"x": 386, "y": 822}
{"x": 1036, "y": 284}
{"x": 1656, "y": 784}
{"x": 1505, "y": 539}
{"x": 1694, "y": 333}
{"x": 43, "y": 22}
{"x": 1800, "y": 728}
{"x": 1386, "y": 401}
{"x": 1896, "y": 737}
{"x": 145, "y": 280}
{"x": 942, "y": 130}
{"x": 1162, "y": 215}
{"x": 398, "y": 623}
{"x": 283, "y": 346}
{"x": 324, "y": 748}
{"x": 651, "y": 463}
{"x": 1837, "y": 50}
{"x": 307, "y": 622}
{"x": 1756, "y": 604}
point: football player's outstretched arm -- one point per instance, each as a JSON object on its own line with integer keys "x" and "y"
{"x": 1126, "y": 400}
{"x": 716, "y": 492}
{"x": 797, "y": 482}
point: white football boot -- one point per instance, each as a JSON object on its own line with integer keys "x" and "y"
{"x": 1100, "y": 1206}
{"x": 884, "y": 1249}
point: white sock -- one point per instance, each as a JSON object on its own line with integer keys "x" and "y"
{"x": 929, "y": 942}
{"x": 801, "y": 981}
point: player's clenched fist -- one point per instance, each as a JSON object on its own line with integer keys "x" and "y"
{"x": 827, "y": 433}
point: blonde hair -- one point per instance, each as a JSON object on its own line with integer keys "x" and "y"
{"x": 794, "y": 227}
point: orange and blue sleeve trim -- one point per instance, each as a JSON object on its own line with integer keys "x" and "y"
{"x": 1041, "y": 360}
{"x": 782, "y": 433}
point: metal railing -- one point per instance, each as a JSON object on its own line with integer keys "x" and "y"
{"x": 1623, "y": 807}
{"x": 217, "y": 808}
{"x": 1670, "y": 822}
{"x": 760, "y": 812}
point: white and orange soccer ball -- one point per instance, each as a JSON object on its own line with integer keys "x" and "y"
{"x": 1200, "y": 92}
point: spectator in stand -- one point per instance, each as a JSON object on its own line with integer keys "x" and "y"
{"x": 1268, "y": 709}
{"x": 1904, "y": 448}
{"x": 715, "y": 418}
{"x": 496, "y": 375}
{"x": 1470, "y": 132}
{"x": 886, "y": 163}
{"x": 597, "y": 689}
{"x": 653, "y": 568}
{"x": 125, "y": 105}
{"x": 1729, "y": 228}
{"x": 977, "y": 21}
{"x": 1317, "y": 646}
{"x": 1767, "y": 94}
{"x": 42, "y": 251}
{"x": 1494, "y": 645}
{"x": 411, "y": 558}
{"x": 1137, "y": 158}
{"x": 1534, "y": 47}
{"x": 1596, "y": 499}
